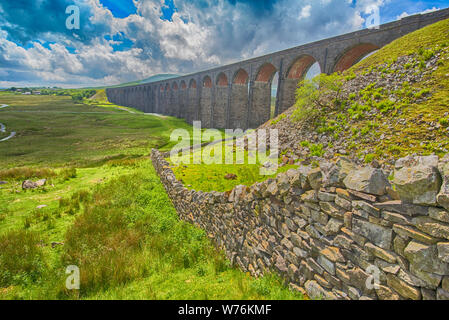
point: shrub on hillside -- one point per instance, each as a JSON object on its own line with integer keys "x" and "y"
{"x": 317, "y": 97}
{"x": 26, "y": 173}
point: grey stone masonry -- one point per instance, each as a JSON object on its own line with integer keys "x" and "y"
{"x": 333, "y": 240}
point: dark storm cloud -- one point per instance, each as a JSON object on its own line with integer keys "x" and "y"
{"x": 26, "y": 20}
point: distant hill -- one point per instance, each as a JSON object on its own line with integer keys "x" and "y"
{"x": 159, "y": 77}
{"x": 155, "y": 78}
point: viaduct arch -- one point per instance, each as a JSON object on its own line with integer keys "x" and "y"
{"x": 238, "y": 96}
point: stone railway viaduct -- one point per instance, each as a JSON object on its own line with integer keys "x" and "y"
{"x": 239, "y": 95}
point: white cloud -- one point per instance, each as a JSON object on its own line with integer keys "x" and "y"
{"x": 305, "y": 12}
{"x": 405, "y": 14}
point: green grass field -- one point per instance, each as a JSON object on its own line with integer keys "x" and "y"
{"x": 105, "y": 211}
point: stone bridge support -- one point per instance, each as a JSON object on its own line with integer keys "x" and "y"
{"x": 206, "y": 102}
{"x": 220, "y": 114}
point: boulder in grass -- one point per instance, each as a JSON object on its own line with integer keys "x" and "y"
{"x": 41, "y": 183}
{"x": 28, "y": 184}
{"x": 230, "y": 176}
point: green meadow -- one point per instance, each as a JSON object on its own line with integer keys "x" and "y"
{"x": 102, "y": 209}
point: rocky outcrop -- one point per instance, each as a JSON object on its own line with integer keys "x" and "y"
{"x": 335, "y": 231}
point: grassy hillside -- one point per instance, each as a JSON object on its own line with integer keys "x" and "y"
{"x": 394, "y": 103}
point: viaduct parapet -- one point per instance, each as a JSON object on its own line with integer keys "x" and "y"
{"x": 238, "y": 95}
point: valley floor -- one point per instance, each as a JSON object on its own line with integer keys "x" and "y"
{"x": 102, "y": 209}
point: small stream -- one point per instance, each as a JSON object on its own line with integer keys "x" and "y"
{"x": 3, "y": 127}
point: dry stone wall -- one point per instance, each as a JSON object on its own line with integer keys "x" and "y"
{"x": 331, "y": 230}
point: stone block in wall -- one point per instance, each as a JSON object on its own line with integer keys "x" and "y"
{"x": 445, "y": 283}
{"x": 316, "y": 246}
{"x": 403, "y": 208}
{"x": 442, "y": 294}
{"x": 301, "y": 223}
{"x": 333, "y": 280}
{"x": 301, "y": 178}
{"x": 378, "y": 235}
{"x": 418, "y": 184}
{"x": 315, "y": 177}
{"x": 310, "y": 196}
{"x": 273, "y": 189}
{"x": 380, "y": 222}
{"x": 430, "y": 226}
{"x": 300, "y": 253}
{"x": 439, "y": 214}
{"x": 431, "y": 280}
{"x": 358, "y": 279}
{"x": 443, "y": 251}
{"x": 443, "y": 195}
{"x": 354, "y": 293}
{"x": 425, "y": 258}
{"x": 370, "y": 209}
{"x": 380, "y": 253}
{"x": 335, "y": 173}
{"x": 410, "y": 232}
{"x": 354, "y": 259}
{"x": 396, "y": 218}
{"x": 314, "y": 290}
{"x": 332, "y": 209}
{"x": 367, "y": 180}
{"x": 362, "y": 196}
{"x": 360, "y": 240}
{"x": 428, "y": 294}
{"x": 342, "y": 241}
{"x": 319, "y": 217}
{"x": 387, "y": 267}
{"x": 343, "y": 203}
{"x": 347, "y": 220}
{"x": 399, "y": 244}
{"x": 306, "y": 270}
{"x": 281, "y": 265}
{"x": 413, "y": 161}
{"x": 342, "y": 275}
{"x": 333, "y": 226}
{"x": 404, "y": 289}
{"x": 313, "y": 232}
{"x": 385, "y": 293}
{"x": 322, "y": 282}
{"x": 326, "y": 197}
{"x": 315, "y": 266}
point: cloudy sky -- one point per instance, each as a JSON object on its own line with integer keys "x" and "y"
{"x": 125, "y": 40}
